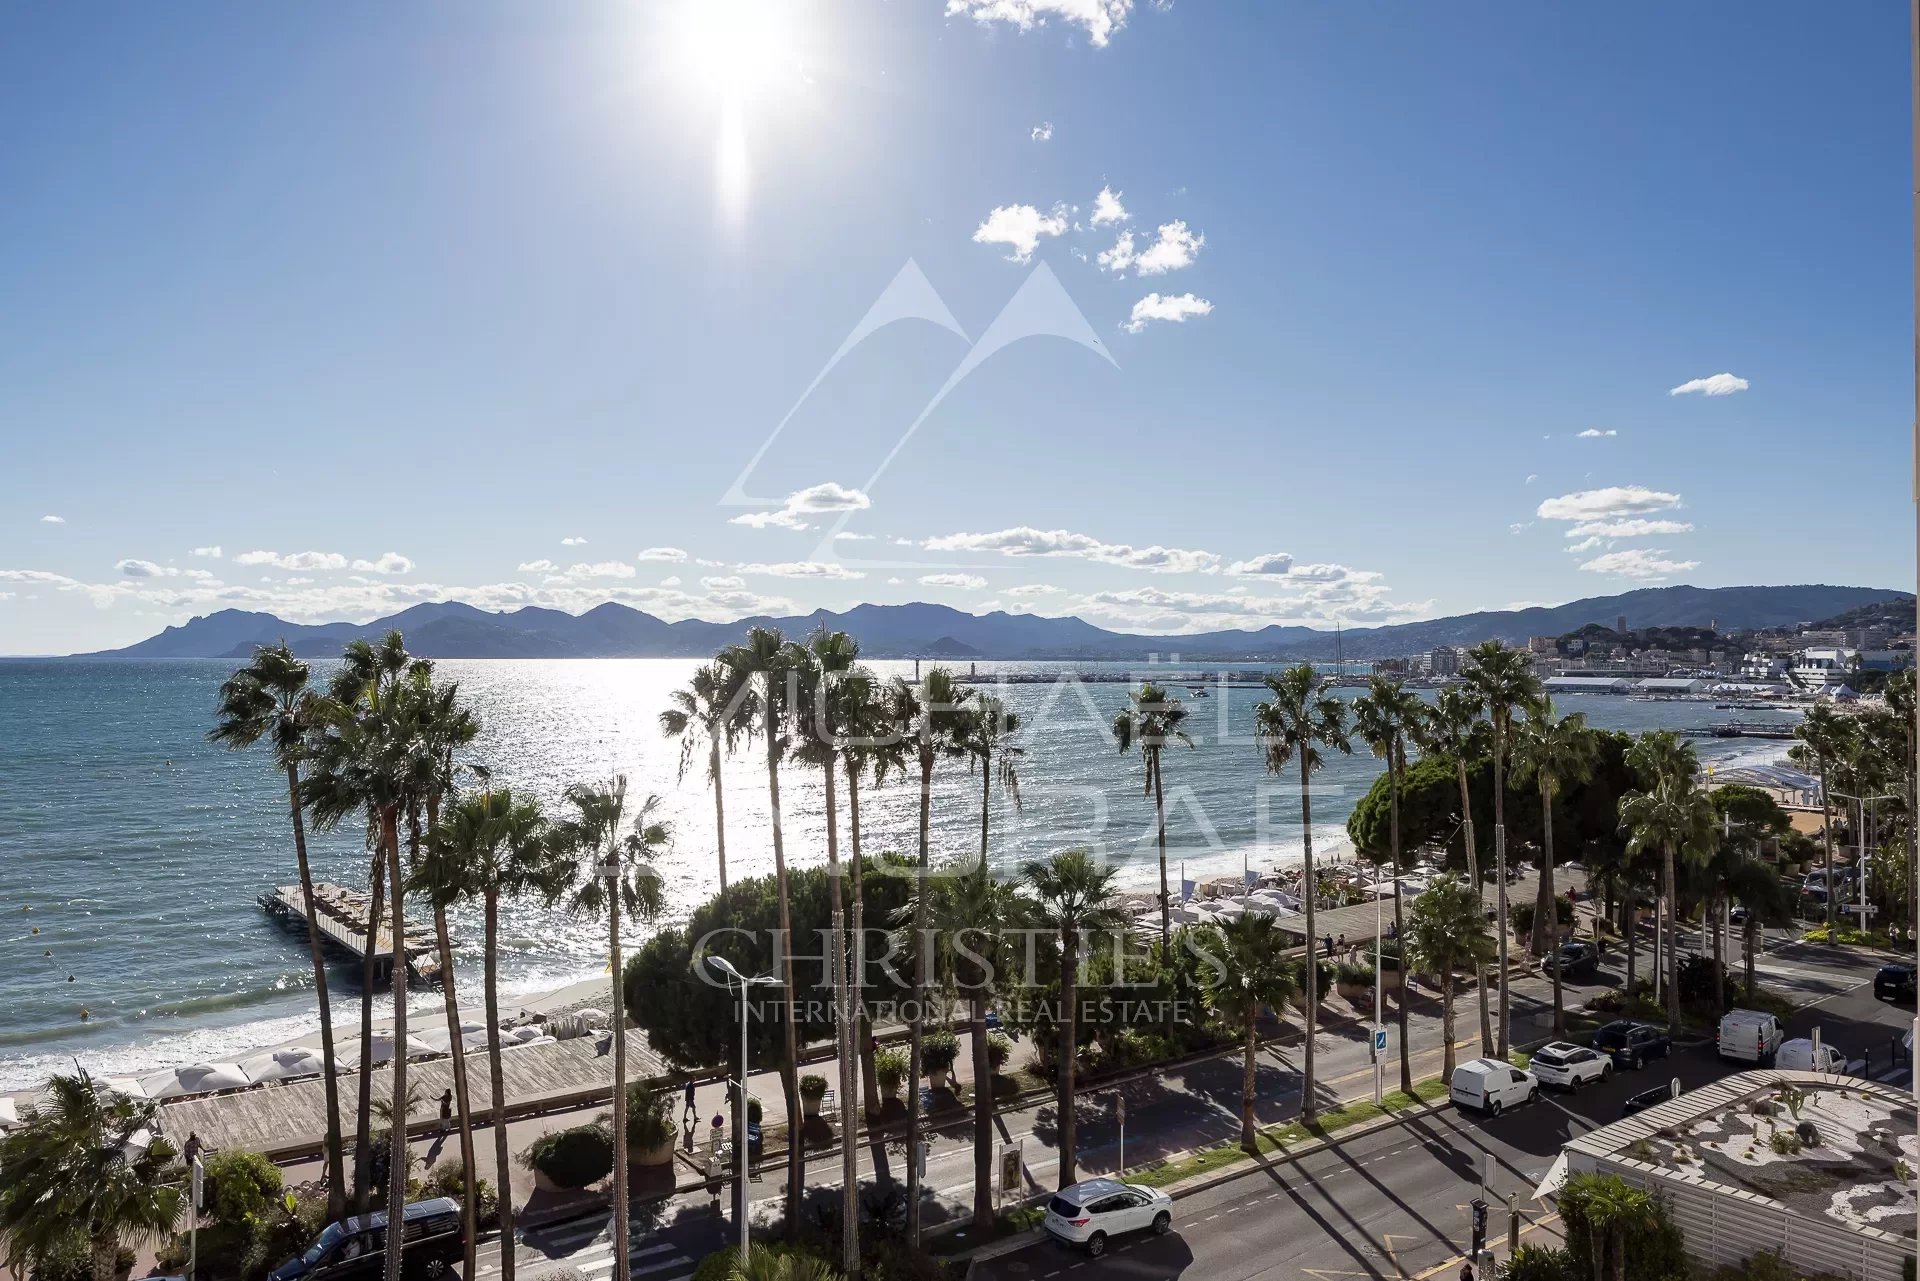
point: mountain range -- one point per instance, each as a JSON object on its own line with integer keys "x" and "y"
{"x": 450, "y": 629}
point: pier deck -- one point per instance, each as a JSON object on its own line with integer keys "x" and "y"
{"x": 342, "y": 916}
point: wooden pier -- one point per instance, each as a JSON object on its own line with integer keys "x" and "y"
{"x": 342, "y": 915}
{"x": 1743, "y": 729}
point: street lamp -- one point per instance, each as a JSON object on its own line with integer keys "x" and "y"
{"x": 1865, "y": 817}
{"x": 724, "y": 968}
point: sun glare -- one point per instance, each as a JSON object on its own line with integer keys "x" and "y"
{"x": 738, "y": 49}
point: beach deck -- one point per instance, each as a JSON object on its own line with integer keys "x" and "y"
{"x": 286, "y": 1121}
{"x": 343, "y": 915}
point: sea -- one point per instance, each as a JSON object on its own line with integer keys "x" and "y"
{"x": 132, "y": 851}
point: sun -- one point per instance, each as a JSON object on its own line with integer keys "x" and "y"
{"x": 737, "y": 50}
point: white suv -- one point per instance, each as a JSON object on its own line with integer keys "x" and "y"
{"x": 1569, "y": 1066}
{"x": 1086, "y": 1214}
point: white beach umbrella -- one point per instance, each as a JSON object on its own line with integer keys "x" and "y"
{"x": 122, "y": 1085}
{"x": 9, "y": 1114}
{"x": 284, "y": 1065}
{"x": 532, "y": 1040}
{"x": 476, "y": 1040}
{"x": 202, "y": 1077}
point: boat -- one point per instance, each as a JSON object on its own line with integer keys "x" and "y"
{"x": 1198, "y": 691}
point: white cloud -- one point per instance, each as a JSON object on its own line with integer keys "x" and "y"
{"x": 389, "y": 563}
{"x": 1043, "y": 132}
{"x": 1024, "y": 540}
{"x": 1176, "y": 308}
{"x": 1032, "y": 589}
{"x": 542, "y": 566}
{"x": 1107, "y": 208}
{"x": 848, "y": 536}
{"x": 1118, "y": 258}
{"x": 1519, "y": 526}
{"x": 573, "y": 542}
{"x": 211, "y": 553}
{"x": 1019, "y": 227}
{"x": 1717, "y": 385}
{"x": 1629, "y": 528}
{"x": 1586, "y": 544}
{"x": 965, "y": 582}
{"x": 671, "y": 554}
{"x": 895, "y": 582}
{"x": 1639, "y": 562}
{"x": 295, "y": 561}
{"x": 144, "y": 569}
{"x": 1594, "y": 433}
{"x": 814, "y": 500}
{"x": 1327, "y": 573}
{"x": 1159, "y": 610}
{"x": 1531, "y": 477}
{"x": 1600, "y": 504}
{"x": 1271, "y": 564}
{"x": 1176, "y": 248}
{"x": 801, "y": 569}
{"x": 723, "y": 583}
{"x": 671, "y": 580}
{"x": 1098, "y": 18}
{"x": 601, "y": 569}
{"x": 53, "y": 520}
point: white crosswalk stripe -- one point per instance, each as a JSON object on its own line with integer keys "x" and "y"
{"x": 655, "y": 1260}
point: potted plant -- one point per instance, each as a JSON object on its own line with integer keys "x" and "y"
{"x": 890, "y": 1069}
{"x": 813, "y": 1088}
{"x": 1353, "y": 981}
{"x": 937, "y": 1053}
{"x": 999, "y": 1050}
{"x": 650, "y": 1129}
{"x": 1327, "y": 973}
{"x": 566, "y": 1160}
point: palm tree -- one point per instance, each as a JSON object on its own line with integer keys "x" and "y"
{"x": 987, "y": 735}
{"x": 619, "y": 873}
{"x": 714, "y": 710}
{"x": 489, "y": 846}
{"x": 766, "y": 657}
{"x": 1757, "y": 887}
{"x": 1248, "y": 974}
{"x": 1674, "y": 816}
{"x": 1385, "y": 717}
{"x": 935, "y": 719}
{"x": 1824, "y": 737}
{"x": 1453, "y": 731}
{"x": 770, "y": 1265}
{"x": 1506, "y": 683}
{"x": 270, "y": 698}
{"x": 1153, "y": 721}
{"x": 827, "y": 658}
{"x": 873, "y": 743}
{"x": 1612, "y": 1211}
{"x": 1557, "y": 754}
{"x": 1448, "y": 931}
{"x": 1074, "y": 901}
{"x": 1294, "y": 725}
{"x": 77, "y": 1170}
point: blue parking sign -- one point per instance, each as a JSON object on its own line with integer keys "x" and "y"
{"x": 1379, "y": 1040}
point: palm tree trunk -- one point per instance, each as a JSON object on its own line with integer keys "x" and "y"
{"x": 336, "y": 1164}
{"x": 1446, "y": 1022}
{"x": 1247, "y": 1138}
{"x": 1546, "y": 907}
{"x": 463, "y": 1106}
{"x": 1069, "y": 1042}
{"x": 916, "y": 1031}
{"x": 1719, "y": 961}
{"x": 369, "y": 963}
{"x": 862, "y": 1022}
{"x": 622, "y": 1264}
{"x": 1160, "y": 824}
{"x": 1617, "y": 1242}
{"x": 103, "y": 1255}
{"x": 1673, "y": 940}
{"x": 843, "y": 1030}
{"x": 503, "y": 1169}
{"x": 1826, "y": 834}
{"x": 1310, "y": 976}
{"x": 1500, "y": 874}
{"x": 1394, "y": 768}
{"x": 789, "y": 1068}
{"x": 1630, "y": 931}
{"x": 1749, "y": 941}
{"x": 397, "y": 1126}
{"x": 1473, "y": 876}
{"x": 719, "y": 810}
{"x": 982, "y": 1111}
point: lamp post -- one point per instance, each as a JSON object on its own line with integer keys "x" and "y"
{"x": 724, "y": 968}
{"x": 1864, "y": 817}
{"x": 1379, "y": 1063}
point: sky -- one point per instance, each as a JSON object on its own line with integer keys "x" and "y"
{"x": 1172, "y": 316}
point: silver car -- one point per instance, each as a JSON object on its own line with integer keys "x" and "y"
{"x": 1087, "y": 1214}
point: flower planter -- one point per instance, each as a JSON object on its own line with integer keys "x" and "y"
{"x": 810, "y": 1104}
{"x": 658, "y": 1154}
{"x": 937, "y": 1078}
{"x": 1352, "y": 991}
{"x": 1392, "y": 980}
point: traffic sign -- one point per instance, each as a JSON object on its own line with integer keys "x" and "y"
{"x": 1379, "y": 1040}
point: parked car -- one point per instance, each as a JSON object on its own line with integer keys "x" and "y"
{"x": 1569, "y": 1066}
{"x": 1489, "y": 1085}
{"x": 1749, "y": 1036}
{"x": 1895, "y": 982}
{"x": 1647, "y": 1099}
{"x": 1630, "y": 1044}
{"x": 1574, "y": 959}
{"x": 431, "y": 1245}
{"x": 1799, "y": 1055}
{"x": 1086, "y": 1214}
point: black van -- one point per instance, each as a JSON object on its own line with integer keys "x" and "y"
{"x": 355, "y": 1248}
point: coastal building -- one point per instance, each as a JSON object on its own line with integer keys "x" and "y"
{"x": 1671, "y": 685}
{"x": 1808, "y": 1166}
{"x": 1821, "y": 667}
{"x": 1620, "y": 624}
{"x": 1443, "y": 661}
{"x": 1823, "y": 636}
{"x": 1542, "y": 645}
{"x": 1762, "y": 667}
{"x": 1867, "y": 638}
{"x": 1587, "y": 685}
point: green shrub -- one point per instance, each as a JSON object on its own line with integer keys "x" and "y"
{"x": 1542, "y": 1263}
{"x": 1698, "y": 976}
{"x": 72, "y": 1260}
{"x": 938, "y": 1050}
{"x": 812, "y": 1086}
{"x": 649, "y": 1118}
{"x": 241, "y": 1187}
{"x": 1328, "y": 972}
{"x": 449, "y": 1179}
{"x": 999, "y": 1050}
{"x": 754, "y": 1110}
{"x": 1357, "y": 975}
{"x": 571, "y": 1158}
{"x": 890, "y": 1069}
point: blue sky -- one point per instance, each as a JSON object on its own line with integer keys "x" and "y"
{"x": 385, "y": 303}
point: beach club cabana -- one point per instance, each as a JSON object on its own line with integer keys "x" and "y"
{"x": 200, "y": 1078}
{"x": 350, "y": 1056}
{"x": 284, "y": 1065}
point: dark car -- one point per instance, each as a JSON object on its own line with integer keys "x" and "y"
{"x": 1631, "y": 1043}
{"x": 1574, "y": 960}
{"x": 1647, "y": 1099}
{"x": 431, "y": 1244}
{"x": 1895, "y": 982}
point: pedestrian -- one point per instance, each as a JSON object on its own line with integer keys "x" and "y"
{"x": 1466, "y": 1271}
{"x": 689, "y": 1110}
{"x": 191, "y": 1152}
{"x": 1327, "y": 943}
{"x": 446, "y": 1111}
{"x": 1343, "y": 946}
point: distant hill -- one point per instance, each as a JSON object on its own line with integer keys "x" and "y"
{"x": 450, "y": 629}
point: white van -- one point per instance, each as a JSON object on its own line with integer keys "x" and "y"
{"x": 1798, "y": 1055}
{"x": 1749, "y": 1036}
{"x": 1489, "y": 1085}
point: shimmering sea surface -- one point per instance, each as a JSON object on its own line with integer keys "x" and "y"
{"x": 136, "y": 849}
